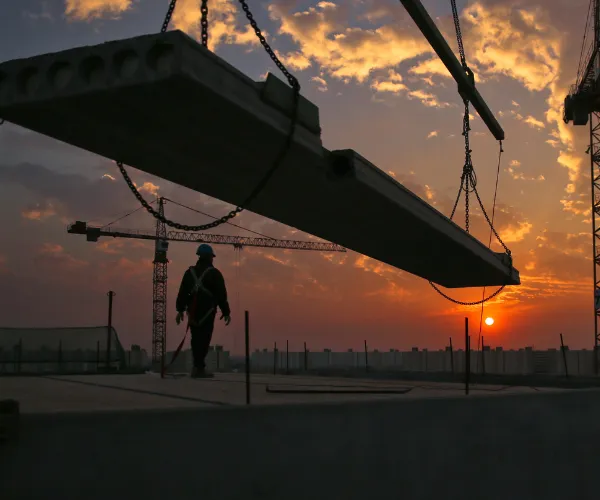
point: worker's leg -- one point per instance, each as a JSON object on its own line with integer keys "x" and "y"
{"x": 201, "y": 337}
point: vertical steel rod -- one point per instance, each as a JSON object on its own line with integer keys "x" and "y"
{"x": 467, "y": 356}
{"x": 247, "y": 341}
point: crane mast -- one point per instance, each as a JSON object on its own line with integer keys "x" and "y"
{"x": 583, "y": 103}
{"x": 161, "y": 237}
{"x": 159, "y": 291}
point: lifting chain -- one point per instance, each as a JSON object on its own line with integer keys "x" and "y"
{"x": 292, "y": 80}
{"x": 168, "y": 16}
{"x": 203, "y": 21}
{"x": 468, "y": 181}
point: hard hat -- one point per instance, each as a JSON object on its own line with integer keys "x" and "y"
{"x": 205, "y": 249}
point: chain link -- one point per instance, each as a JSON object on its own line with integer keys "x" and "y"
{"x": 168, "y": 16}
{"x": 461, "y": 48}
{"x": 204, "y": 22}
{"x": 465, "y": 187}
{"x": 162, "y": 218}
{"x": 292, "y": 80}
{"x": 468, "y": 181}
{"x": 463, "y": 303}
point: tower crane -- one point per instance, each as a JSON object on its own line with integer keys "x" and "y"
{"x": 583, "y": 104}
{"x": 161, "y": 237}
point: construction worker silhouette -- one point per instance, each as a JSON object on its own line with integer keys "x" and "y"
{"x": 202, "y": 290}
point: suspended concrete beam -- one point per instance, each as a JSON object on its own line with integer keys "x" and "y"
{"x": 442, "y": 49}
{"x": 400, "y": 226}
{"x": 167, "y": 106}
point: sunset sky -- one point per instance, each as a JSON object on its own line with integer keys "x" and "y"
{"x": 380, "y": 91}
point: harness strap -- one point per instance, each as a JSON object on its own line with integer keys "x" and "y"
{"x": 199, "y": 281}
{"x": 198, "y": 286}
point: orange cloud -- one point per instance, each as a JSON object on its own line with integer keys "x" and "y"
{"x": 116, "y": 246}
{"x": 391, "y": 83}
{"x": 150, "y": 188}
{"x": 86, "y": 10}
{"x": 51, "y": 248}
{"x": 535, "y": 123}
{"x": 39, "y": 212}
{"x": 514, "y": 171}
{"x": 324, "y": 38}
{"x": 322, "y": 84}
{"x": 572, "y": 163}
{"x": 391, "y": 292}
{"x": 226, "y": 22}
{"x": 513, "y": 234}
{"x": 577, "y": 207}
{"x": 430, "y": 67}
{"x": 56, "y": 257}
{"x": 427, "y": 99}
{"x": 110, "y": 246}
{"x": 498, "y": 45}
{"x": 123, "y": 269}
{"x": 529, "y": 120}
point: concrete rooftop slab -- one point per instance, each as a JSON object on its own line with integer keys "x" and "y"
{"x": 525, "y": 446}
{"x": 167, "y": 106}
{"x": 76, "y": 393}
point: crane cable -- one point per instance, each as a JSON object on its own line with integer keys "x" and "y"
{"x": 126, "y": 215}
{"x": 293, "y": 82}
{"x": 468, "y": 181}
{"x": 213, "y": 217}
{"x": 479, "y": 343}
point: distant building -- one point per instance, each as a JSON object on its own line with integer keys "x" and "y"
{"x": 60, "y": 350}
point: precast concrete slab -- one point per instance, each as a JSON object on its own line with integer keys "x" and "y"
{"x": 166, "y": 105}
{"x": 522, "y": 447}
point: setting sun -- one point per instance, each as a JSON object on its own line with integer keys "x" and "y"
{"x": 489, "y": 321}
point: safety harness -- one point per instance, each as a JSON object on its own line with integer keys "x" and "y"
{"x": 198, "y": 287}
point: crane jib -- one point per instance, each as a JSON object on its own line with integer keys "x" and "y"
{"x": 93, "y": 233}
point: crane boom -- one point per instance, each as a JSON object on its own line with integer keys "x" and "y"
{"x": 467, "y": 88}
{"x": 94, "y": 232}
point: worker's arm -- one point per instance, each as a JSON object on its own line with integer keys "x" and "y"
{"x": 220, "y": 292}
{"x": 184, "y": 293}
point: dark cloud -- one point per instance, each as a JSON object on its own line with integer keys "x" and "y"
{"x": 74, "y": 195}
